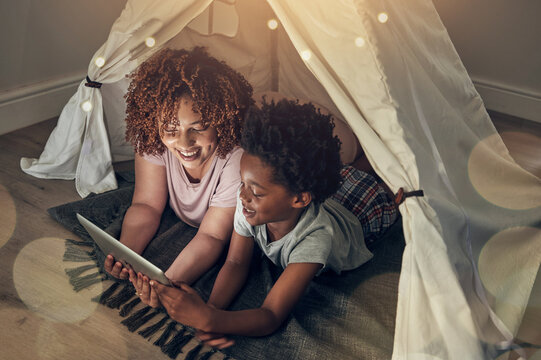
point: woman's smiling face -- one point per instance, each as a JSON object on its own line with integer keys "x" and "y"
{"x": 191, "y": 143}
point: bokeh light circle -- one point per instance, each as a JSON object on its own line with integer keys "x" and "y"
{"x": 508, "y": 265}
{"x": 8, "y": 216}
{"x": 42, "y": 284}
{"x": 499, "y": 180}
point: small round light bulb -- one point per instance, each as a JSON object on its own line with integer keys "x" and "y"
{"x": 86, "y": 106}
{"x": 306, "y": 55}
{"x": 150, "y": 41}
{"x": 100, "y": 61}
{"x": 360, "y": 42}
{"x": 383, "y": 17}
{"x": 272, "y": 24}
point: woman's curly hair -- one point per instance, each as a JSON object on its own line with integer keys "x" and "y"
{"x": 220, "y": 94}
{"x": 297, "y": 142}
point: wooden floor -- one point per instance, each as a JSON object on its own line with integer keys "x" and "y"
{"x": 42, "y": 318}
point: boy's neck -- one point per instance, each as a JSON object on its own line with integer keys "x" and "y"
{"x": 277, "y": 230}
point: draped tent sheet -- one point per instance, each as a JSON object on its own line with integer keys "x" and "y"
{"x": 472, "y": 242}
{"x": 78, "y": 148}
{"x": 369, "y": 94}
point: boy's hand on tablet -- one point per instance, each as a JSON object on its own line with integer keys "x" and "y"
{"x": 183, "y": 304}
{"x": 146, "y": 293}
{"x": 115, "y": 268}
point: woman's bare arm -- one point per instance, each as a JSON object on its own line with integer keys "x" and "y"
{"x": 205, "y": 248}
{"x": 143, "y": 216}
{"x": 233, "y": 273}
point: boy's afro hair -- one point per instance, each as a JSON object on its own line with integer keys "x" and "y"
{"x": 220, "y": 94}
{"x": 297, "y": 142}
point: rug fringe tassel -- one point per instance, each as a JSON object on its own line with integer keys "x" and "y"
{"x": 165, "y": 335}
{"x": 77, "y": 271}
{"x": 126, "y": 309}
{"x": 125, "y": 294}
{"x": 75, "y": 253}
{"x": 171, "y": 345}
{"x": 140, "y": 321}
{"x": 208, "y": 354}
{"x": 192, "y": 354}
{"x": 80, "y": 283}
{"x": 136, "y": 316}
{"x": 102, "y": 298}
{"x": 152, "y": 329}
{"x": 175, "y": 345}
{"x": 88, "y": 243}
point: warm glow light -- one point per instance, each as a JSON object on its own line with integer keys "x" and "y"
{"x": 359, "y": 42}
{"x": 8, "y": 215}
{"x": 272, "y": 24}
{"x": 383, "y": 17}
{"x": 306, "y": 55}
{"x": 39, "y": 276}
{"x": 100, "y": 61}
{"x": 493, "y": 172}
{"x": 508, "y": 262}
{"x": 150, "y": 41}
{"x": 86, "y": 106}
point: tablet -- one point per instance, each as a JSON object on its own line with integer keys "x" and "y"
{"x": 122, "y": 253}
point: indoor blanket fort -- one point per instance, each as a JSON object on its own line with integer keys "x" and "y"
{"x": 347, "y": 316}
{"x": 462, "y": 285}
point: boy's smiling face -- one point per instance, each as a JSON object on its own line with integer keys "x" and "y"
{"x": 263, "y": 200}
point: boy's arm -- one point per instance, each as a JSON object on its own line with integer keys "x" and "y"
{"x": 234, "y": 272}
{"x": 186, "y": 306}
{"x": 278, "y": 304}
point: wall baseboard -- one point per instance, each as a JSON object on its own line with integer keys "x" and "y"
{"x": 38, "y": 102}
{"x": 35, "y": 103}
{"x": 510, "y": 101}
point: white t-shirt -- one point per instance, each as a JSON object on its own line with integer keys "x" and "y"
{"x": 218, "y": 187}
{"x": 327, "y": 234}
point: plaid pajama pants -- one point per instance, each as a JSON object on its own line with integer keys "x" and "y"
{"x": 361, "y": 194}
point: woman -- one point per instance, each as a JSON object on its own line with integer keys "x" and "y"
{"x": 184, "y": 118}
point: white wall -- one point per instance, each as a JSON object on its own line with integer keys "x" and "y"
{"x": 45, "y": 48}
{"x": 499, "y": 42}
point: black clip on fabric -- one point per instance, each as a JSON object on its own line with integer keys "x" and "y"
{"x": 401, "y": 195}
{"x": 92, "y": 84}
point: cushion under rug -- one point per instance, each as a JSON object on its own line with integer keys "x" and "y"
{"x": 347, "y": 316}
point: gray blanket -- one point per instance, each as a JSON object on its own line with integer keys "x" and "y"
{"x": 347, "y": 316}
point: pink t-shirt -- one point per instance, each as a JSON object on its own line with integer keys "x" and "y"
{"x": 218, "y": 187}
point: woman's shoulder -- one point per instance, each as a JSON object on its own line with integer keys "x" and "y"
{"x": 232, "y": 159}
{"x": 236, "y": 153}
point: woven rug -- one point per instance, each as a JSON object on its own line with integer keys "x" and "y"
{"x": 347, "y": 316}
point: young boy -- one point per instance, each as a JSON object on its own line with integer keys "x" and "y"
{"x": 305, "y": 212}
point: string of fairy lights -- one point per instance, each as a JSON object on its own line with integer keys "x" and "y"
{"x": 272, "y": 24}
